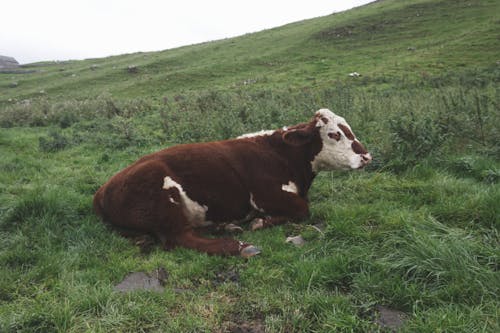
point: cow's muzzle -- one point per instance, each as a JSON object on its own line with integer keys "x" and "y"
{"x": 365, "y": 159}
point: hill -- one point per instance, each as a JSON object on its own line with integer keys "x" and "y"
{"x": 383, "y": 40}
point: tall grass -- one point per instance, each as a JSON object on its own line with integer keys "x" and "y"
{"x": 399, "y": 130}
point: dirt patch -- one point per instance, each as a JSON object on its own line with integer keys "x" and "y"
{"x": 247, "y": 327}
{"x": 153, "y": 281}
{"x": 389, "y": 318}
{"x": 239, "y": 325}
{"x": 237, "y": 322}
{"x": 230, "y": 275}
{"x": 365, "y": 28}
{"x": 146, "y": 243}
{"x": 337, "y": 32}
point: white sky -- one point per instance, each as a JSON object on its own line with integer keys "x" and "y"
{"x": 37, "y": 30}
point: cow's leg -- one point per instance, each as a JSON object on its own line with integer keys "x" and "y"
{"x": 279, "y": 208}
{"x": 177, "y": 231}
{"x": 219, "y": 246}
{"x": 268, "y": 221}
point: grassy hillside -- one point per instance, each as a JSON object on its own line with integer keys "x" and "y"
{"x": 383, "y": 40}
{"x": 417, "y": 232}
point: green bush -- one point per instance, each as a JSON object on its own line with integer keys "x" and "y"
{"x": 53, "y": 142}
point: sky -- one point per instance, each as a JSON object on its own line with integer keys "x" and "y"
{"x": 44, "y": 30}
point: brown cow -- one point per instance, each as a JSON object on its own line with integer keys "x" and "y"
{"x": 264, "y": 176}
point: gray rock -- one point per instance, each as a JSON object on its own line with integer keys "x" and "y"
{"x": 143, "y": 281}
{"x": 8, "y": 62}
{"x": 295, "y": 240}
{"x": 132, "y": 69}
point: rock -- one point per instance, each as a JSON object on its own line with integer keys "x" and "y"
{"x": 8, "y": 62}
{"x": 249, "y": 81}
{"x": 257, "y": 224}
{"x": 143, "y": 281}
{"x": 132, "y": 69}
{"x": 250, "y": 251}
{"x": 354, "y": 74}
{"x": 295, "y": 240}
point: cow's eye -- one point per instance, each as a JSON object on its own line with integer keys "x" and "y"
{"x": 335, "y": 136}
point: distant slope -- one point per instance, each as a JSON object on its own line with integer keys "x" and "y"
{"x": 385, "y": 39}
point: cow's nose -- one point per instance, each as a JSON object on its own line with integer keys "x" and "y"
{"x": 367, "y": 158}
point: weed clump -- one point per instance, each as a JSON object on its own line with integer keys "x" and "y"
{"x": 53, "y": 142}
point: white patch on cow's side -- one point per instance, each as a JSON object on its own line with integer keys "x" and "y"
{"x": 259, "y": 133}
{"x": 290, "y": 187}
{"x": 194, "y": 212}
{"x": 334, "y": 155}
{"x": 254, "y": 205}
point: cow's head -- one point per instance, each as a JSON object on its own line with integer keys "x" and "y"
{"x": 340, "y": 150}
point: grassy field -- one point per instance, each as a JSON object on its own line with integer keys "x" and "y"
{"x": 416, "y": 232}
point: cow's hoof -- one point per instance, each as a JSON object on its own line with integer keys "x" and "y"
{"x": 249, "y": 251}
{"x": 233, "y": 228}
{"x": 257, "y": 224}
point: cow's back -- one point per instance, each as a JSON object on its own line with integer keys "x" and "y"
{"x": 216, "y": 175}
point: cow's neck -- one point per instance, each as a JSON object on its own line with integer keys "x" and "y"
{"x": 300, "y": 158}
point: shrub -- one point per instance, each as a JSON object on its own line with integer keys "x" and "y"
{"x": 414, "y": 137}
{"x": 53, "y": 142}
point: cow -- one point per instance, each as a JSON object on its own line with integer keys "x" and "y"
{"x": 262, "y": 178}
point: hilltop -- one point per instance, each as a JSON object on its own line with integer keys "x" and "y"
{"x": 383, "y": 41}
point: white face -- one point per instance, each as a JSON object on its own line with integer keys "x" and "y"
{"x": 341, "y": 150}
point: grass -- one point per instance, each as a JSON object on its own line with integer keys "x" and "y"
{"x": 400, "y": 247}
{"x": 417, "y": 231}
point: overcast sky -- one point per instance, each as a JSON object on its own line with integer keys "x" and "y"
{"x": 37, "y": 30}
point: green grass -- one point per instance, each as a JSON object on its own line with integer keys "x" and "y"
{"x": 417, "y": 231}
{"x": 387, "y": 239}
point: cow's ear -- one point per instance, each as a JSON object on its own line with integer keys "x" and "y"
{"x": 297, "y": 137}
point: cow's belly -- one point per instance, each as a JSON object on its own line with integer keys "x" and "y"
{"x": 211, "y": 202}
